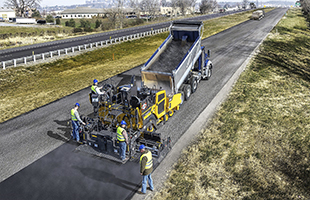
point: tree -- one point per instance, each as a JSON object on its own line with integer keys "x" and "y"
{"x": 98, "y": 23}
{"x": 22, "y": 6}
{"x": 207, "y": 6}
{"x": 70, "y": 23}
{"x": 193, "y": 5}
{"x": 135, "y": 5}
{"x": 58, "y": 21}
{"x": 49, "y": 18}
{"x": 183, "y": 5}
{"x": 119, "y": 9}
{"x": 36, "y": 13}
{"x": 245, "y": 3}
{"x": 150, "y": 7}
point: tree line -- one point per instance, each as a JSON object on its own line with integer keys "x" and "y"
{"x": 147, "y": 6}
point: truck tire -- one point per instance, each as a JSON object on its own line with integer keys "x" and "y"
{"x": 209, "y": 73}
{"x": 194, "y": 84}
{"x": 187, "y": 92}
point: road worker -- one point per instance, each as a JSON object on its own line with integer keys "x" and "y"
{"x": 122, "y": 138}
{"x": 146, "y": 169}
{"x": 95, "y": 89}
{"x": 75, "y": 119}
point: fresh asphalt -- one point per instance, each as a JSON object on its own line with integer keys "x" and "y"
{"x": 37, "y": 162}
{"x": 20, "y": 52}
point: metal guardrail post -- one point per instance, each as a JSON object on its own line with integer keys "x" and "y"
{"x": 66, "y": 51}
{"x": 14, "y": 62}
{"x": 58, "y": 52}
{"x": 91, "y": 45}
{"x": 85, "y": 47}
{"x": 51, "y": 54}
{"x": 79, "y": 48}
{"x": 3, "y": 65}
{"x": 25, "y": 60}
{"x": 34, "y": 58}
{"x": 72, "y": 49}
{"x": 42, "y": 56}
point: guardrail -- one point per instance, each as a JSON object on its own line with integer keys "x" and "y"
{"x": 60, "y": 52}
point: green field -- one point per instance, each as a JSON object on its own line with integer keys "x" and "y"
{"x": 257, "y": 145}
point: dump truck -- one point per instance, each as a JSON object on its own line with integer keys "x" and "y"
{"x": 168, "y": 79}
{"x": 180, "y": 62}
{"x": 258, "y": 15}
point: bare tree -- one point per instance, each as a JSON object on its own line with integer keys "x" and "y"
{"x": 22, "y": 6}
{"x": 151, "y": 7}
{"x": 183, "y": 5}
{"x": 207, "y": 6}
{"x": 245, "y": 3}
{"x": 118, "y": 13}
{"x": 135, "y": 4}
{"x": 193, "y": 5}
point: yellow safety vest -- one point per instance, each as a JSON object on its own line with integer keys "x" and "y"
{"x": 120, "y": 136}
{"x": 73, "y": 115}
{"x": 149, "y": 162}
{"x": 93, "y": 88}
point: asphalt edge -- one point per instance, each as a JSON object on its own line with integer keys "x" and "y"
{"x": 162, "y": 172}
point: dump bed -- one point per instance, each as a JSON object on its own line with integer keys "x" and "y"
{"x": 172, "y": 61}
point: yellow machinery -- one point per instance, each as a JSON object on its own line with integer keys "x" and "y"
{"x": 143, "y": 110}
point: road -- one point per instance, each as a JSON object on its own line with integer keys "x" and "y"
{"x": 19, "y": 52}
{"x": 37, "y": 162}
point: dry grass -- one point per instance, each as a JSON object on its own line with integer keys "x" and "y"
{"x": 35, "y": 85}
{"x": 257, "y": 145}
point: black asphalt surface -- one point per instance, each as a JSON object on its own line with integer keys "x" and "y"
{"x": 37, "y": 162}
{"x": 19, "y": 52}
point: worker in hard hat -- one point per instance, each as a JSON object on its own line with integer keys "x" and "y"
{"x": 122, "y": 140}
{"x": 75, "y": 119}
{"x": 95, "y": 88}
{"x": 146, "y": 169}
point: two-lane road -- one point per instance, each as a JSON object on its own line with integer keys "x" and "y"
{"x": 36, "y": 162}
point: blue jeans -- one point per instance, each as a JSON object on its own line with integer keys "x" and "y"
{"x": 75, "y": 130}
{"x": 147, "y": 178}
{"x": 122, "y": 148}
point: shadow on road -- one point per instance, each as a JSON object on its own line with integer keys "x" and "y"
{"x": 106, "y": 178}
{"x": 65, "y": 129}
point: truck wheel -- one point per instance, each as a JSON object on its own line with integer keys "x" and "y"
{"x": 187, "y": 92}
{"x": 209, "y": 73}
{"x": 194, "y": 84}
{"x": 182, "y": 97}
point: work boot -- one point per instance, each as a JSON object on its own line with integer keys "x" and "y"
{"x": 139, "y": 192}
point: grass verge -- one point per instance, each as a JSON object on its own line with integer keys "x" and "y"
{"x": 38, "y": 85}
{"x": 257, "y": 146}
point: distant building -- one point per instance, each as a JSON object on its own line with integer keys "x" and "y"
{"x": 7, "y": 13}
{"x": 83, "y": 12}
